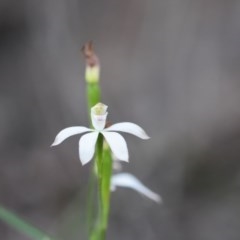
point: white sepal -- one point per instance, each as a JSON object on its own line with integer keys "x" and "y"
{"x": 128, "y": 127}
{"x": 117, "y": 144}
{"x": 129, "y": 181}
{"x": 87, "y": 147}
{"x": 68, "y": 132}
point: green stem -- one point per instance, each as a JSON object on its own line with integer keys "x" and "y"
{"x": 22, "y": 226}
{"x": 105, "y": 185}
{"x": 93, "y": 93}
{"x": 103, "y": 162}
{"x": 99, "y": 162}
{"x": 100, "y": 156}
{"x": 93, "y": 96}
{"x": 91, "y": 207}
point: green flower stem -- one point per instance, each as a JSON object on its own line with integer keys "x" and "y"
{"x": 103, "y": 164}
{"x": 99, "y": 160}
{"x": 104, "y": 176}
{"x": 91, "y": 208}
{"x": 93, "y": 93}
{"x": 22, "y": 226}
{"x": 105, "y": 186}
{"x": 93, "y": 96}
{"x": 100, "y": 157}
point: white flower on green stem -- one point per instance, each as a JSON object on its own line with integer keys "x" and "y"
{"x": 88, "y": 141}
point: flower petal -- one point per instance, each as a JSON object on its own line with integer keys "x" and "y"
{"x": 128, "y": 127}
{"x": 68, "y": 132}
{"x": 87, "y": 146}
{"x": 99, "y": 121}
{"x": 117, "y": 144}
{"x": 129, "y": 181}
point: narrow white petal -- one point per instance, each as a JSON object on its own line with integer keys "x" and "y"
{"x": 68, "y": 132}
{"x": 87, "y": 147}
{"x": 128, "y": 127}
{"x": 129, "y": 181}
{"x": 117, "y": 144}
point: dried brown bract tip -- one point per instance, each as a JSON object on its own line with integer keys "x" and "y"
{"x": 89, "y": 54}
{"x": 87, "y": 49}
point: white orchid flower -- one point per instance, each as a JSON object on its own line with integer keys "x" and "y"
{"x": 129, "y": 181}
{"x": 88, "y": 141}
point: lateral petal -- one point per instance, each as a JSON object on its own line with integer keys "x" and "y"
{"x": 68, "y": 132}
{"x": 129, "y": 181}
{"x": 117, "y": 144}
{"x": 87, "y": 145}
{"x": 128, "y": 127}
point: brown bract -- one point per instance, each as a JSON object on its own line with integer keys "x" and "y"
{"x": 89, "y": 54}
{"x": 108, "y": 124}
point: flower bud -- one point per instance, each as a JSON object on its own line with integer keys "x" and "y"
{"x": 92, "y": 73}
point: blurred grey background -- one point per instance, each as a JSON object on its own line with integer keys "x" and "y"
{"x": 172, "y": 66}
